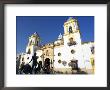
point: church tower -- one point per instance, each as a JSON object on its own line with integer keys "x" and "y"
{"x": 71, "y": 32}
{"x": 33, "y": 44}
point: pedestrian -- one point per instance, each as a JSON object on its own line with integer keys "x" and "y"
{"x": 22, "y": 67}
{"x": 34, "y": 59}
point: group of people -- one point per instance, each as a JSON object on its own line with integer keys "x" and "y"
{"x": 39, "y": 67}
{"x": 36, "y": 67}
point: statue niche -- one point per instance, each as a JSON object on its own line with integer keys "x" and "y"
{"x": 71, "y": 42}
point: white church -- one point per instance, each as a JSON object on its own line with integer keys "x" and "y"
{"x": 68, "y": 47}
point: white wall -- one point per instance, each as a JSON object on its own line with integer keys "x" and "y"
{"x": 66, "y": 55}
{"x": 87, "y": 54}
{"x": 82, "y": 54}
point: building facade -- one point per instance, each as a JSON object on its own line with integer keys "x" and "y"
{"x": 68, "y": 47}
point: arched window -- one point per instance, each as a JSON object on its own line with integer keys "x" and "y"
{"x": 92, "y": 49}
{"x": 70, "y": 30}
{"x": 22, "y": 59}
{"x": 37, "y": 43}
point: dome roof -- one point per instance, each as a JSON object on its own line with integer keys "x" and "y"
{"x": 60, "y": 36}
{"x": 71, "y": 18}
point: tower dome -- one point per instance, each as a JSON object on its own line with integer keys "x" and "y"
{"x": 70, "y": 26}
{"x": 35, "y": 35}
{"x": 71, "y": 18}
{"x": 34, "y": 39}
{"x": 60, "y": 37}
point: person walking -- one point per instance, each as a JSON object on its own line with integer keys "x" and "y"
{"x": 34, "y": 59}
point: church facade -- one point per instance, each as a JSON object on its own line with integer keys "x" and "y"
{"x": 67, "y": 48}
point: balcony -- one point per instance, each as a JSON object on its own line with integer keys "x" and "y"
{"x": 71, "y": 43}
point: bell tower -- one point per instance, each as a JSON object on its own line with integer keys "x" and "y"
{"x": 70, "y": 26}
{"x": 33, "y": 43}
{"x": 71, "y": 32}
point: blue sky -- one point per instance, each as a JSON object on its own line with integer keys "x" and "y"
{"x": 48, "y": 28}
